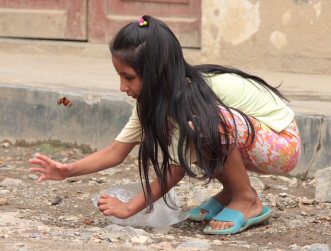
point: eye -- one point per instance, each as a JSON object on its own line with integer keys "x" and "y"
{"x": 130, "y": 78}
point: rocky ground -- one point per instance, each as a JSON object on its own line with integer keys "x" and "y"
{"x": 61, "y": 216}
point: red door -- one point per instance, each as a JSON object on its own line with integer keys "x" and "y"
{"x": 106, "y": 17}
{"x": 52, "y": 19}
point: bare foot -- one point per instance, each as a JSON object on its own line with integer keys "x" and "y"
{"x": 249, "y": 205}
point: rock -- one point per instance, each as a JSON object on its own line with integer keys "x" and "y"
{"x": 283, "y": 188}
{"x": 141, "y": 239}
{"x": 33, "y": 176}
{"x": 195, "y": 245}
{"x": 162, "y": 230}
{"x": 306, "y": 201}
{"x": 57, "y": 200}
{"x": 5, "y": 145}
{"x": 124, "y": 233}
{"x": 4, "y": 201}
{"x": 316, "y": 247}
{"x": 35, "y": 235}
{"x": 272, "y": 199}
{"x": 257, "y": 184}
{"x": 295, "y": 247}
{"x": 294, "y": 182}
{"x": 323, "y": 184}
{"x": 85, "y": 236}
{"x": 162, "y": 246}
{"x": 72, "y": 218}
{"x": 283, "y": 178}
{"x": 198, "y": 194}
{"x": 4, "y": 191}
{"x": 9, "y": 182}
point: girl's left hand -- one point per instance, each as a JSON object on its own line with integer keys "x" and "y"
{"x": 109, "y": 205}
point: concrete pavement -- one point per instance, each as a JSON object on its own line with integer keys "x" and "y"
{"x": 34, "y": 74}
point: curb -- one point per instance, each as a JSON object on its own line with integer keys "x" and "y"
{"x": 32, "y": 114}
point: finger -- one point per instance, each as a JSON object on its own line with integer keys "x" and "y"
{"x": 102, "y": 201}
{"x": 105, "y": 196}
{"x": 45, "y": 159}
{"x": 35, "y": 161}
{"x": 37, "y": 170}
{"x": 103, "y": 207}
{"x": 107, "y": 212}
{"x": 41, "y": 178}
{"x": 39, "y": 162}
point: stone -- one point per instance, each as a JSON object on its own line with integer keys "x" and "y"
{"x": 141, "y": 239}
{"x": 317, "y": 247}
{"x": 162, "y": 246}
{"x": 4, "y": 201}
{"x": 5, "y": 145}
{"x": 33, "y": 176}
{"x": 294, "y": 182}
{"x": 195, "y": 245}
{"x": 198, "y": 194}
{"x": 9, "y": 182}
{"x": 124, "y": 233}
{"x": 323, "y": 184}
{"x": 257, "y": 184}
{"x": 57, "y": 200}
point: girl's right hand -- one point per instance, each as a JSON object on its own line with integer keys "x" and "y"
{"x": 49, "y": 169}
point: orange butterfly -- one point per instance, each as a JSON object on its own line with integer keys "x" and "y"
{"x": 64, "y": 101}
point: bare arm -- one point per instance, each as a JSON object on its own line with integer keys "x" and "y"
{"x": 100, "y": 160}
{"x": 112, "y": 206}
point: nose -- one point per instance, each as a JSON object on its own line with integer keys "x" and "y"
{"x": 123, "y": 87}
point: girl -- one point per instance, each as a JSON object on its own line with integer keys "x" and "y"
{"x": 224, "y": 120}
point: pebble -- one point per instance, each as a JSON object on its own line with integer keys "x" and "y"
{"x": 5, "y": 145}
{"x": 36, "y": 235}
{"x": 257, "y": 184}
{"x": 57, "y": 201}
{"x": 141, "y": 239}
{"x": 4, "y": 201}
{"x": 33, "y": 176}
{"x": 295, "y": 247}
{"x": 4, "y": 191}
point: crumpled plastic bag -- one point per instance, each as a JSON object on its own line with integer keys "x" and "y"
{"x": 162, "y": 215}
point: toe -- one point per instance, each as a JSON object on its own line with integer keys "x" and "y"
{"x": 217, "y": 225}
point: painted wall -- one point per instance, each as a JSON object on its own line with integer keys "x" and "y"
{"x": 278, "y": 35}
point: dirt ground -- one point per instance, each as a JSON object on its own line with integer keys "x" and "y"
{"x": 56, "y": 215}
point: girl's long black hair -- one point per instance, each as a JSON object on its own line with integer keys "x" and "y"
{"x": 175, "y": 91}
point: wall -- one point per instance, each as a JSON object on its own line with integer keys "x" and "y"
{"x": 286, "y": 35}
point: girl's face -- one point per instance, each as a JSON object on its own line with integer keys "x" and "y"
{"x": 130, "y": 81}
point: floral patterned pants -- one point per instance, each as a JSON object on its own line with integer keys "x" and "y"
{"x": 271, "y": 152}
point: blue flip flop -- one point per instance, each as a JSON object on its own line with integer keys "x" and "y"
{"x": 213, "y": 206}
{"x": 238, "y": 219}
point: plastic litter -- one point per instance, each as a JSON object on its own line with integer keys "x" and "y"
{"x": 35, "y": 235}
{"x": 162, "y": 215}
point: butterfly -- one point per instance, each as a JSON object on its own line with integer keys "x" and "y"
{"x": 64, "y": 101}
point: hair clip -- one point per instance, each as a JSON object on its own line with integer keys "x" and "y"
{"x": 189, "y": 81}
{"x": 142, "y": 22}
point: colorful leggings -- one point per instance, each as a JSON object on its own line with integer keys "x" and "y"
{"x": 271, "y": 152}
